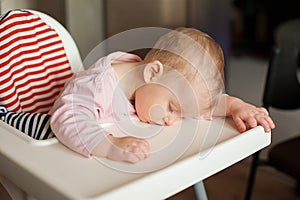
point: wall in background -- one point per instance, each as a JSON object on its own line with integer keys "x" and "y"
{"x": 212, "y": 17}
{"x": 85, "y": 21}
{"x": 55, "y": 8}
{"x": 124, "y": 15}
{"x": 83, "y": 18}
{"x": 12, "y": 4}
{"x": 91, "y": 21}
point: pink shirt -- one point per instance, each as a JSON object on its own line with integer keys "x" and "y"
{"x": 90, "y": 98}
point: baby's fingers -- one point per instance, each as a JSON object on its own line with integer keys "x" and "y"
{"x": 241, "y": 126}
{"x": 133, "y": 157}
{"x": 266, "y": 123}
{"x": 263, "y": 110}
{"x": 251, "y": 122}
{"x": 137, "y": 151}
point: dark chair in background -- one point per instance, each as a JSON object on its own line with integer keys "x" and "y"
{"x": 282, "y": 91}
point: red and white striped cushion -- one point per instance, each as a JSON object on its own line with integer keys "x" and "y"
{"x": 33, "y": 63}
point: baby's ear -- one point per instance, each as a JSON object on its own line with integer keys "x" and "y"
{"x": 153, "y": 71}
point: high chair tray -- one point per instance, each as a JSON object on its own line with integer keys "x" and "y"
{"x": 181, "y": 156}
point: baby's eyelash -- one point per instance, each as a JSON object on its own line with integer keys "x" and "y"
{"x": 172, "y": 107}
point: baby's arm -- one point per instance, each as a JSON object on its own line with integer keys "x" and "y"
{"x": 128, "y": 149}
{"x": 76, "y": 127}
{"x": 75, "y": 122}
{"x": 244, "y": 114}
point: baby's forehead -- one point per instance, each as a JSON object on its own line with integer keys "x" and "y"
{"x": 192, "y": 95}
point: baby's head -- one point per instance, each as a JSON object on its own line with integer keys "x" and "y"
{"x": 184, "y": 77}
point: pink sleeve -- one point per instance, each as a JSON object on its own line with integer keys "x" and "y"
{"x": 75, "y": 121}
{"x": 127, "y": 57}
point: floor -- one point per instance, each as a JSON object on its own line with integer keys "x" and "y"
{"x": 246, "y": 80}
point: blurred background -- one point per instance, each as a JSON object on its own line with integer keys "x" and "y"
{"x": 240, "y": 25}
{"x": 243, "y": 28}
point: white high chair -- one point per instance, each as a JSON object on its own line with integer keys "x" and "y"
{"x": 48, "y": 170}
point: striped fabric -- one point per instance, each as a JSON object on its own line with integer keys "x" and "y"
{"x": 35, "y": 125}
{"x": 33, "y": 63}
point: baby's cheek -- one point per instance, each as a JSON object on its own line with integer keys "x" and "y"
{"x": 156, "y": 114}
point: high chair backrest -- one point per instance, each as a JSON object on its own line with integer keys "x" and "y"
{"x": 34, "y": 61}
{"x": 282, "y": 89}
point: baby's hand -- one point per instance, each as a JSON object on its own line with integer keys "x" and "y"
{"x": 127, "y": 149}
{"x": 246, "y": 115}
